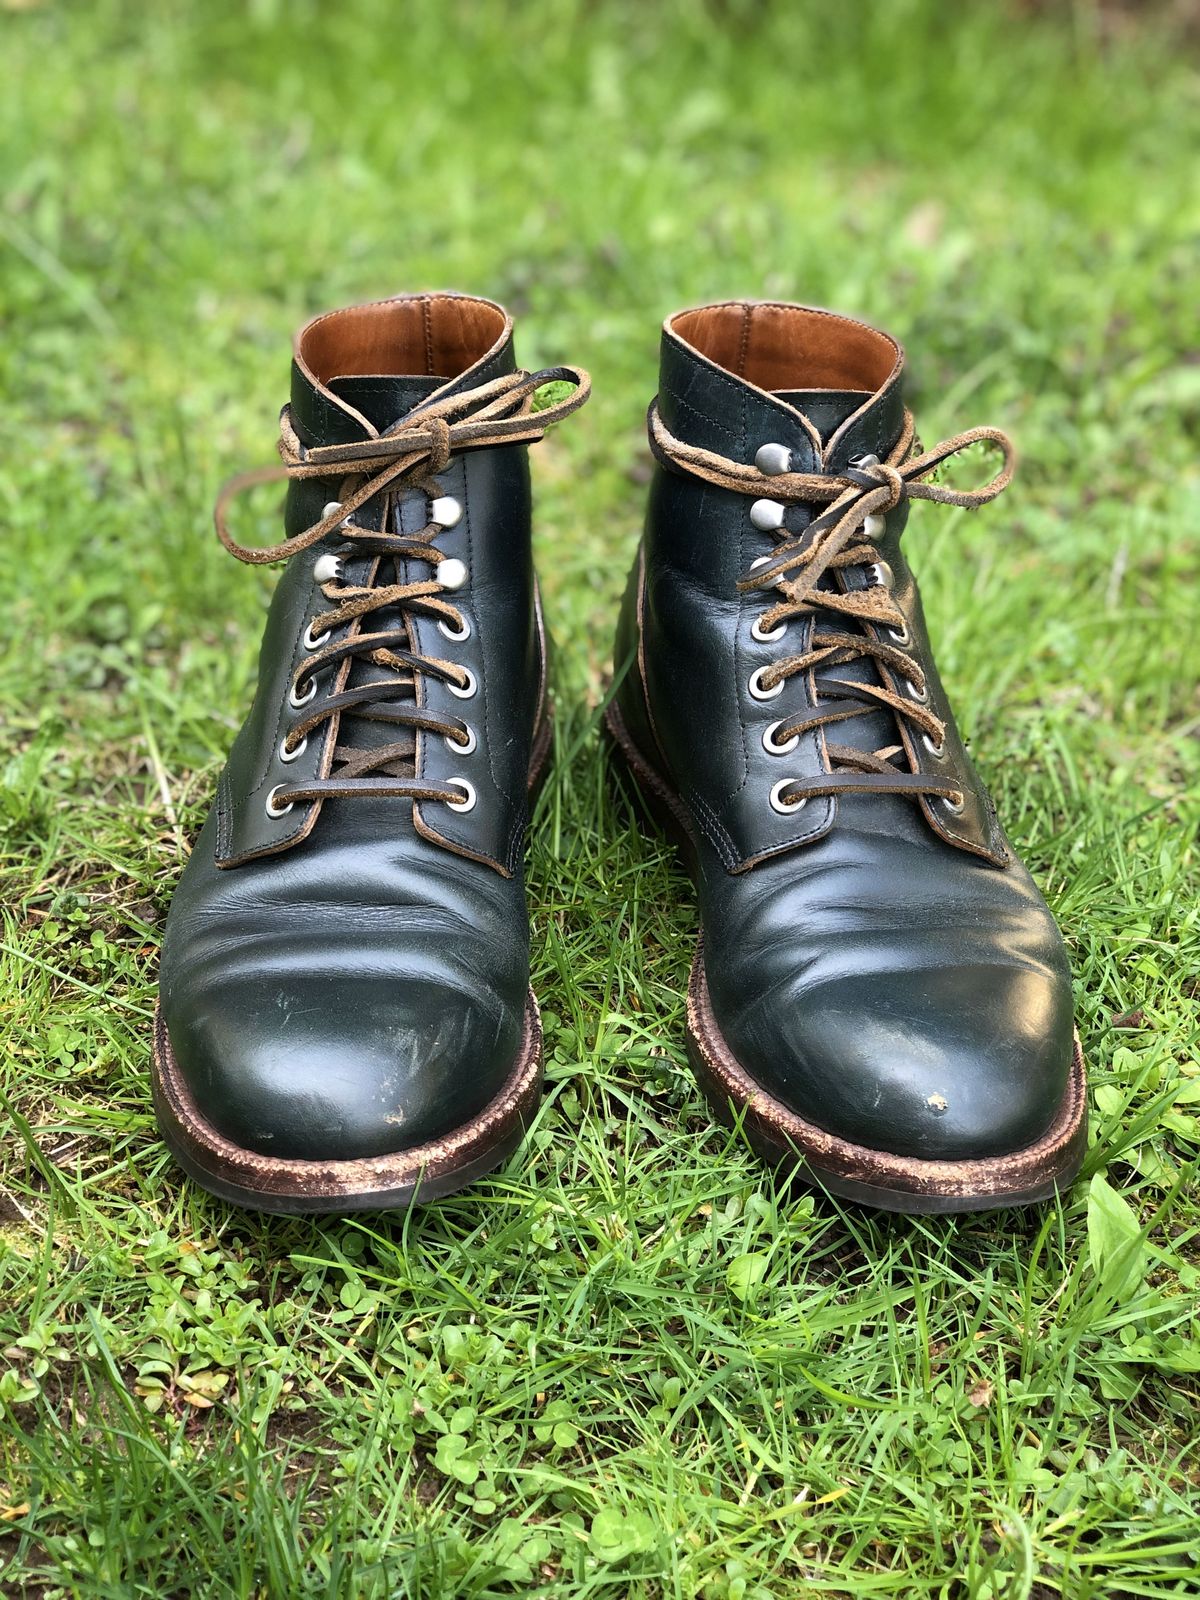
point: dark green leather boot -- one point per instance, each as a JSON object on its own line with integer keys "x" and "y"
{"x": 881, "y": 995}
{"x": 345, "y": 1017}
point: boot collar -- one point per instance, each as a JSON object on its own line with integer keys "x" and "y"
{"x": 357, "y": 370}
{"x": 738, "y": 374}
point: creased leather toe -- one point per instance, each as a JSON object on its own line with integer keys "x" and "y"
{"x": 324, "y": 1071}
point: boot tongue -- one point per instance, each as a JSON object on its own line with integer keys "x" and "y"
{"x": 826, "y": 409}
{"x": 385, "y": 399}
{"x": 382, "y": 400}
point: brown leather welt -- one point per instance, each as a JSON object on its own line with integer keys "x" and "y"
{"x": 835, "y": 541}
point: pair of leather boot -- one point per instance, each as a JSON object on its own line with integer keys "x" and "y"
{"x": 881, "y": 998}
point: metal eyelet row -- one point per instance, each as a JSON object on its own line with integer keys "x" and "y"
{"x": 767, "y": 516}
{"x": 451, "y": 573}
{"x": 327, "y": 568}
{"x": 757, "y": 631}
{"x": 467, "y": 803}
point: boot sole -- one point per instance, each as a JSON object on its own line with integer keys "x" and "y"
{"x": 782, "y": 1138}
{"x": 376, "y": 1183}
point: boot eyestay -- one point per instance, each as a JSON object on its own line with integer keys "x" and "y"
{"x": 462, "y": 747}
{"x": 272, "y": 808}
{"x": 467, "y": 803}
{"x": 853, "y": 505}
{"x": 757, "y": 692}
{"x": 288, "y": 752}
{"x": 380, "y": 470}
{"x": 786, "y": 807}
{"x": 769, "y": 743}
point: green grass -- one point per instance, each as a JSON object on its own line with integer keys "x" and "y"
{"x": 630, "y": 1364}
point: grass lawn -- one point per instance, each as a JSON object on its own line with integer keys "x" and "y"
{"x": 631, "y": 1363}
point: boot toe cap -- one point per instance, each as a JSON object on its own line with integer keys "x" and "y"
{"x": 343, "y": 1071}
{"x": 951, "y": 1065}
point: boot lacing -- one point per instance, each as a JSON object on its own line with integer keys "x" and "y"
{"x": 839, "y": 538}
{"x": 407, "y": 456}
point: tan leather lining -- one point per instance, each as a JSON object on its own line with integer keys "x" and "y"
{"x": 789, "y": 347}
{"x": 439, "y": 335}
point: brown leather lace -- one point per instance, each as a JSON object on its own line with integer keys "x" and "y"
{"x": 407, "y": 456}
{"x": 834, "y": 541}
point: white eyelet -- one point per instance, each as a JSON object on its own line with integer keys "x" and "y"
{"x": 272, "y": 809}
{"x": 447, "y": 632}
{"x": 953, "y": 805}
{"x": 445, "y": 511}
{"x": 757, "y": 692}
{"x": 900, "y": 636}
{"x": 874, "y": 527}
{"x": 766, "y": 515}
{"x": 773, "y": 460}
{"x": 921, "y": 696}
{"x": 467, "y": 803}
{"x": 297, "y": 700}
{"x": 327, "y": 568}
{"x": 314, "y": 641}
{"x": 286, "y": 755}
{"x": 861, "y": 463}
{"x": 771, "y": 747}
{"x": 330, "y": 507}
{"x": 457, "y": 749}
{"x": 451, "y": 573}
{"x": 757, "y": 633}
{"x": 467, "y": 692}
{"x": 765, "y": 561}
{"x": 937, "y": 751}
{"x": 881, "y": 574}
{"x": 786, "y": 807}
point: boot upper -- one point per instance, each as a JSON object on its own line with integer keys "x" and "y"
{"x": 345, "y": 966}
{"x": 880, "y": 961}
